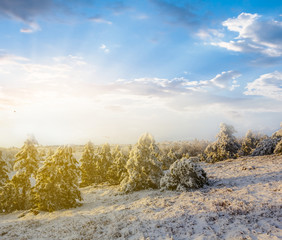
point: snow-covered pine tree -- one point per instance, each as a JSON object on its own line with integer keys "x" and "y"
{"x": 250, "y": 142}
{"x": 26, "y": 165}
{"x": 143, "y": 167}
{"x": 9, "y": 198}
{"x": 88, "y": 165}
{"x": 167, "y": 159}
{"x": 3, "y": 171}
{"x": 226, "y": 145}
{"x": 105, "y": 161}
{"x": 117, "y": 171}
{"x": 57, "y": 182}
{"x": 278, "y": 148}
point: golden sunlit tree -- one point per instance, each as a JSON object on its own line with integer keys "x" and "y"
{"x": 168, "y": 159}
{"x": 3, "y": 171}
{"x": 143, "y": 167}
{"x": 226, "y": 145}
{"x": 88, "y": 165}
{"x": 57, "y": 182}
{"x": 104, "y": 162}
{"x": 278, "y": 148}
{"x": 26, "y": 165}
{"x": 250, "y": 142}
{"x": 117, "y": 171}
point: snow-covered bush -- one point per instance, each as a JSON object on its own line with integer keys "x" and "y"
{"x": 143, "y": 167}
{"x": 266, "y": 147}
{"x": 117, "y": 171}
{"x": 184, "y": 174}
{"x": 57, "y": 182}
{"x": 3, "y": 171}
{"x": 26, "y": 165}
{"x": 88, "y": 165}
{"x": 278, "y": 148}
{"x": 226, "y": 145}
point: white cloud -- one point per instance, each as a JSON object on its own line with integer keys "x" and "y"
{"x": 63, "y": 102}
{"x": 207, "y": 34}
{"x": 241, "y": 24}
{"x": 105, "y": 48}
{"x": 142, "y": 17}
{"x": 225, "y": 79}
{"x": 255, "y": 34}
{"x": 100, "y": 20}
{"x": 158, "y": 87}
{"x": 33, "y": 27}
{"x": 267, "y": 85}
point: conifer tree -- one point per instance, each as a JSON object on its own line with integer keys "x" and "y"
{"x": 57, "y": 182}
{"x": 105, "y": 161}
{"x": 3, "y": 171}
{"x": 250, "y": 142}
{"x": 117, "y": 170}
{"x": 143, "y": 167}
{"x": 9, "y": 197}
{"x": 226, "y": 145}
{"x": 278, "y": 148}
{"x": 88, "y": 165}
{"x": 26, "y": 165}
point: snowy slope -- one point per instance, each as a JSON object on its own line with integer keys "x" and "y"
{"x": 243, "y": 201}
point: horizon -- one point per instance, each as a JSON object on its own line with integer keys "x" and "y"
{"x": 74, "y": 71}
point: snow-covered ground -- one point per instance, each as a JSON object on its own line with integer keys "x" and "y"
{"x": 243, "y": 201}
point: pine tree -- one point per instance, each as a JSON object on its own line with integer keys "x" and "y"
{"x": 167, "y": 159}
{"x": 9, "y": 197}
{"x": 117, "y": 170}
{"x": 143, "y": 167}
{"x": 250, "y": 142}
{"x": 278, "y": 148}
{"x": 57, "y": 182}
{"x": 104, "y": 162}
{"x": 3, "y": 171}
{"x": 226, "y": 145}
{"x": 26, "y": 164}
{"x": 88, "y": 165}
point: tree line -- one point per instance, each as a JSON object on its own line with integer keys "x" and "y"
{"x": 55, "y": 183}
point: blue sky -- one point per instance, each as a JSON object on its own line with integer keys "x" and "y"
{"x": 73, "y": 71}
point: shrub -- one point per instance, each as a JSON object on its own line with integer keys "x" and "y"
{"x": 184, "y": 174}
{"x": 143, "y": 167}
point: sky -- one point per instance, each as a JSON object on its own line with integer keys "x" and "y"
{"x": 108, "y": 71}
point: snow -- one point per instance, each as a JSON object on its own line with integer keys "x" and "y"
{"x": 243, "y": 201}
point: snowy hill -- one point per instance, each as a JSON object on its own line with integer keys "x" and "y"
{"x": 243, "y": 201}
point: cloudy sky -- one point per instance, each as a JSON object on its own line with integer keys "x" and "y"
{"x": 108, "y": 71}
